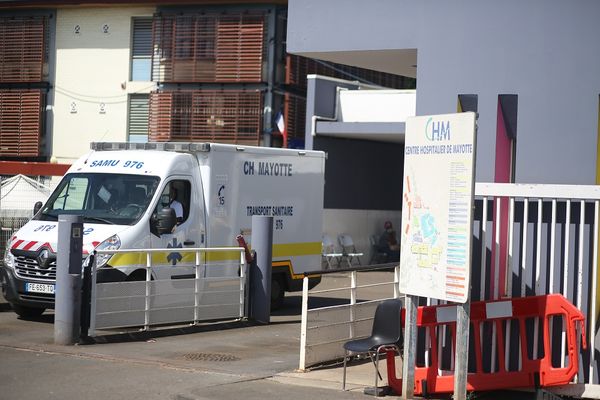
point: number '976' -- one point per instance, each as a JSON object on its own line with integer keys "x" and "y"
{"x": 133, "y": 164}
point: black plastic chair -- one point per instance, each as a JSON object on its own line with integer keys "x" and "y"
{"x": 386, "y": 334}
{"x": 378, "y": 255}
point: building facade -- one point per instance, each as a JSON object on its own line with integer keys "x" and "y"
{"x": 529, "y": 68}
{"x": 113, "y": 71}
{"x": 72, "y": 73}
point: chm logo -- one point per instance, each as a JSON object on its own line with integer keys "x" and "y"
{"x": 437, "y": 130}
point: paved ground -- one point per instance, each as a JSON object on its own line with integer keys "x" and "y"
{"x": 230, "y": 360}
{"x": 224, "y": 361}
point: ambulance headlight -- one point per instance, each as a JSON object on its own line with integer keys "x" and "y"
{"x": 9, "y": 259}
{"x": 112, "y": 243}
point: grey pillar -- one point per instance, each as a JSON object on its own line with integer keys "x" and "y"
{"x": 410, "y": 347}
{"x": 68, "y": 280}
{"x": 461, "y": 352}
{"x": 260, "y": 274}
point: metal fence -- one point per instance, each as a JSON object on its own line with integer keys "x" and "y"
{"x": 535, "y": 240}
{"x": 324, "y": 330}
{"x": 528, "y": 240}
{"x": 18, "y": 194}
{"x": 9, "y": 224}
{"x": 201, "y": 291}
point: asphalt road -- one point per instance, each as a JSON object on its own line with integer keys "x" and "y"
{"x": 30, "y": 374}
{"x": 229, "y": 360}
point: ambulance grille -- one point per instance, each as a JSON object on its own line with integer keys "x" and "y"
{"x": 28, "y": 268}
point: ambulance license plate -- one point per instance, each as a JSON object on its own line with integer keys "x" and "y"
{"x": 39, "y": 288}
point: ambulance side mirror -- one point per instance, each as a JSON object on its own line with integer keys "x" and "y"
{"x": 165, "y": 220}
{"x": 37, "y": 207}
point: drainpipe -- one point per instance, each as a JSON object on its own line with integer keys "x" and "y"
{"x": 268, "y": 104}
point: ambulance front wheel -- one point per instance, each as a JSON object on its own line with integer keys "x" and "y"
{"x": 277, "y": 291}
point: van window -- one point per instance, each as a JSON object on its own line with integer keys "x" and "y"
{"x": 176, "y": 195}
{"x": 101, "y": 198}
{"x": 72, "y": 196}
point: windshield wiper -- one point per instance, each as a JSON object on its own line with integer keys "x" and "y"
{"x": 97, "y": 219}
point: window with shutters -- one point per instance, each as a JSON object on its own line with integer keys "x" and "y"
{"x": 141, "y": 49}
{"x": 24, "y": 52}
{"x": 224, "y": 116}
{"x": 208, "y": 47}
{"x": 137, "y": 125}
{"x": 20, "y": 122}
{"x": 23, "y": 49}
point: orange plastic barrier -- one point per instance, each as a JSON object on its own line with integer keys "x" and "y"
{"x": 532, "y": 372}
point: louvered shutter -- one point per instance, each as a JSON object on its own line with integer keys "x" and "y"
{"x": 239, "y": 48}
{"x": 141, "y": 49}
{"x": 160, "y": 119}
{"x": 20, "y": 122}
{"x": 294, "y": 116}
{"x": 22, "y": 49}
{"x": 208, "y": 47}
{"x": 224, "y": 116}
{"x": 138, "y": 117}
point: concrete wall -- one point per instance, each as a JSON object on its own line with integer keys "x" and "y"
{"x": 544, "y": 51}
{"x": 92, "y": 67}
{"x": 321, "y": 101}
{"x": 377, "y": 105}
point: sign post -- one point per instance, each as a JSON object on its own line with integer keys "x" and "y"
{"x": 437, "y": 224}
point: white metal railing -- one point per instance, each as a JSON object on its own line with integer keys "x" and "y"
{"x": 204, "y": 290}
{"x": 325, "y": 329}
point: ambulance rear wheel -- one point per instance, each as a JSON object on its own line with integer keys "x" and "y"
{"x": 27, "y": 312}
{"x": 277, "y": 291}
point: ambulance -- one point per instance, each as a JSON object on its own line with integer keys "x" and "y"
{"x": 126, "y": 194}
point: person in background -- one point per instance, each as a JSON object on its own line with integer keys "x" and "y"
{"x": 388, "y": 243}
{"x": 175, "y": 205}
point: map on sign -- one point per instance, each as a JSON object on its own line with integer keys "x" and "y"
{"x": 437, "y": 206}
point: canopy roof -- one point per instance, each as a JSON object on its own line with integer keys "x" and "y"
{"x": 20, "y": 193}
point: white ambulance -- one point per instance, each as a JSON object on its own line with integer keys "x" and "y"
{"x": 126, "y": 191}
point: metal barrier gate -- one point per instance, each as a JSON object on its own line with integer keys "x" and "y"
{"x": 324, "y": 330}
{"x": 206, "y": 284}
{"x": 542, "y": 369}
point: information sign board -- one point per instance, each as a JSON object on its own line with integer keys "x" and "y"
{"x": 437, "y": 206}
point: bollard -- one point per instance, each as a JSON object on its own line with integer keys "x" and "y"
{"x": 86, "y": 301}
{"x": 68, "y": 279}
{"x": 260, "y": 274}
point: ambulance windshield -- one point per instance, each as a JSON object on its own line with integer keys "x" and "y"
{"x": 101, "y": 198}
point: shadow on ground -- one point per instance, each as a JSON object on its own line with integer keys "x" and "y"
{"x": 292, "y": 305}
{"x": 290, "y": 308}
